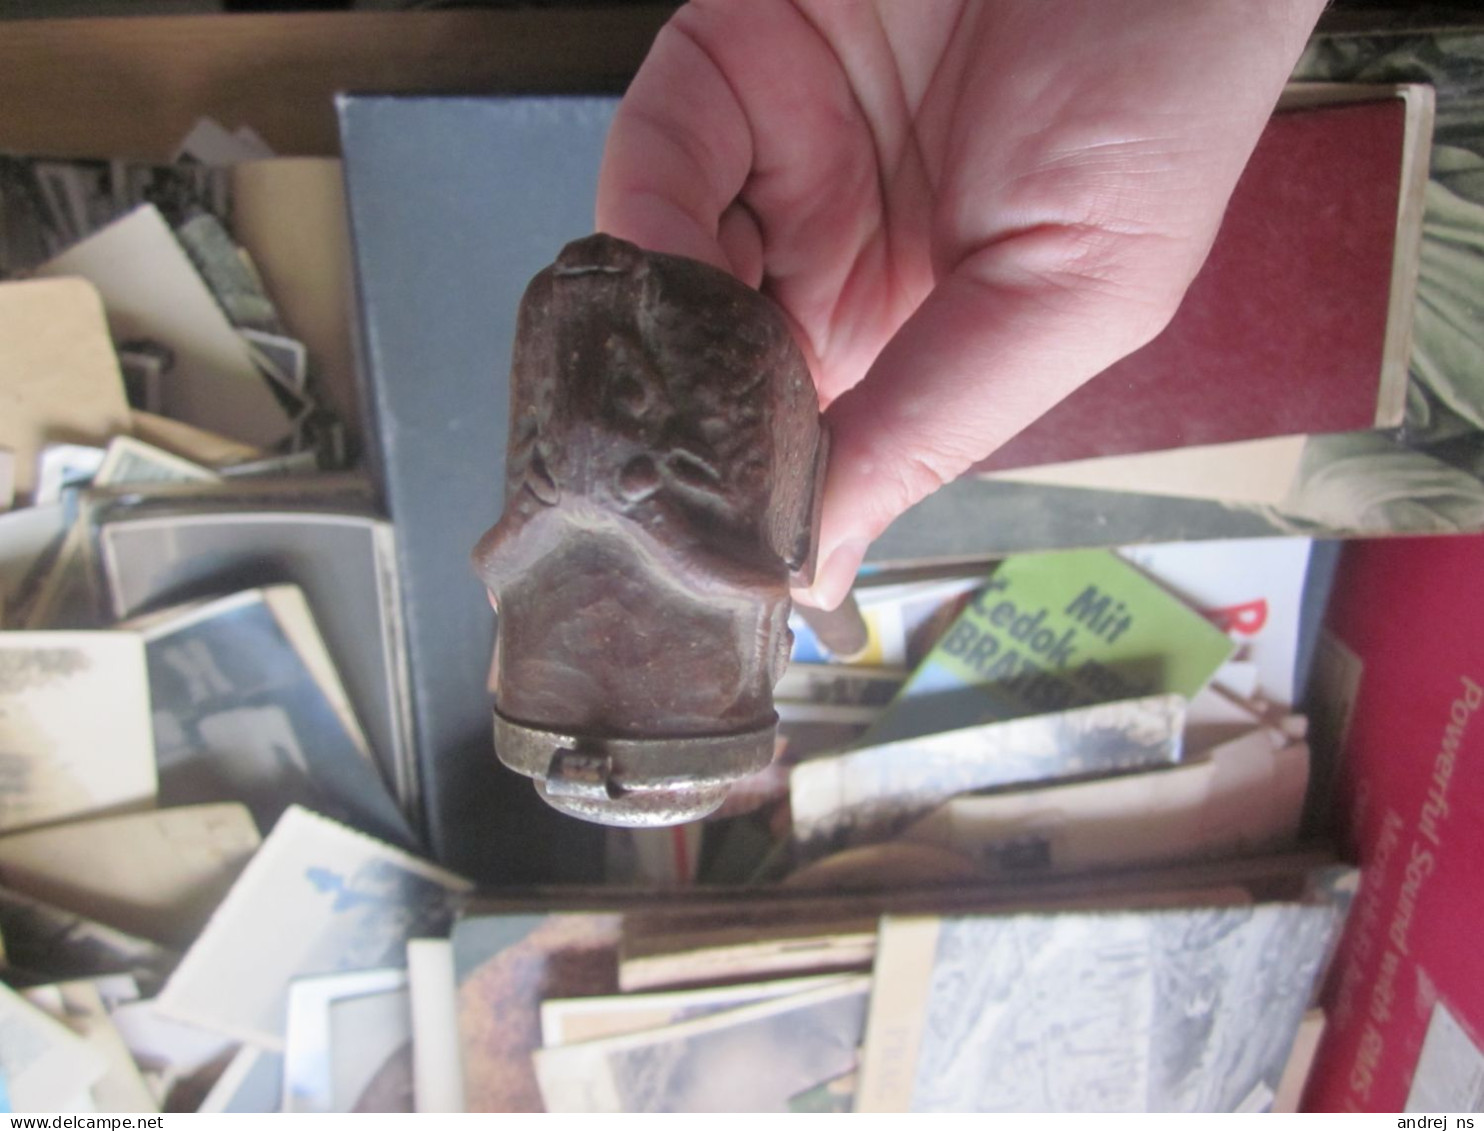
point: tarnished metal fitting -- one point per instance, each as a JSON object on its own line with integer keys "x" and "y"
{"x": 662, "y": 484}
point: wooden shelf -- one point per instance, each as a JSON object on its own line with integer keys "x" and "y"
{"x": 132, "y": 87}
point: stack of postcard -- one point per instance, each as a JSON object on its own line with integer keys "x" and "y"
{"x": 1195, "y": 985}
{"x": 193, "y": 825}
{"x": 210, "y": 786}
{"x": 1066, "y": 769}
{"x": 203, "y": 280}
{"x": 173, "y": 959}
{"x": 1045, "y": 715}
{"x": 159, "y": 325}
{"x": 193, "y": 788}
{"x": 175, "y": 351}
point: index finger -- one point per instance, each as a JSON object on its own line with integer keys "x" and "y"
{"x": 677, "y": 155}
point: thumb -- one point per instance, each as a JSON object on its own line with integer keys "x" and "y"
{"x": 1013, "y": 330}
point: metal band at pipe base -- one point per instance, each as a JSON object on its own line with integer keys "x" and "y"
{"x": 632, "y": 782}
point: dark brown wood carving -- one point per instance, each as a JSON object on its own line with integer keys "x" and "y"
{"x": 661, "y": 489}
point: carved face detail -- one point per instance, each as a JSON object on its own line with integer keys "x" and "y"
{"x": 660, "y": 487}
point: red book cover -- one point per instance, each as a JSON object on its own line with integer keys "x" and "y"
{"x": 1283, "y": 330}
{"x": 1406, "y": 651}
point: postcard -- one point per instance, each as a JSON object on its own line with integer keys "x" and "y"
{"x": 1243, "y": 797}
{"x": 754, "y": 1058}
{"x": 349, "y": 1043}
{"x": 63, "y": 382}
{"x": 45, "y": 1065}
{"x": 128, "y": 460}
{"x": 1055, "y": 632}
{"x": 29, "y": 539}
{"x": 45, "y": 944}
{"x": 62, "y": 762}
{"x": 506, "y": 964}
{"x": 248, "y": 706}
{"x": 570, "y": 1021}
{"x": 318, "y": 898}
{"x": 437, "y": 1060}
{"x": 252, "y": 1082}
{"x": 61, "y": 466}
{"x": 82, "y": 1008}
{"x": 168, "y": 1052}
{"x": 839, "y": 684}
{"x": 1251, "y": 588}
{"x": 192, "y": 444}
{"x": 871, "y": 792}
{"x": 157, "y": 874}
{"x": 343, "y": 563}
{"x": 1166, "y": 1009}
{"x": 151, "y": 290}
{"x": 747, "y": 952}
{"x": 1289, "y": 1094}
{"x": 66, "y": 594}
{"x": 1449, "y": 1075}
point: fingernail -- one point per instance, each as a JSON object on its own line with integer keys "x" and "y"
{"x": 834, "y": 579}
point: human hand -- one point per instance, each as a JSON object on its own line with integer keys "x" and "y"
{"x": 967, "y": 208}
